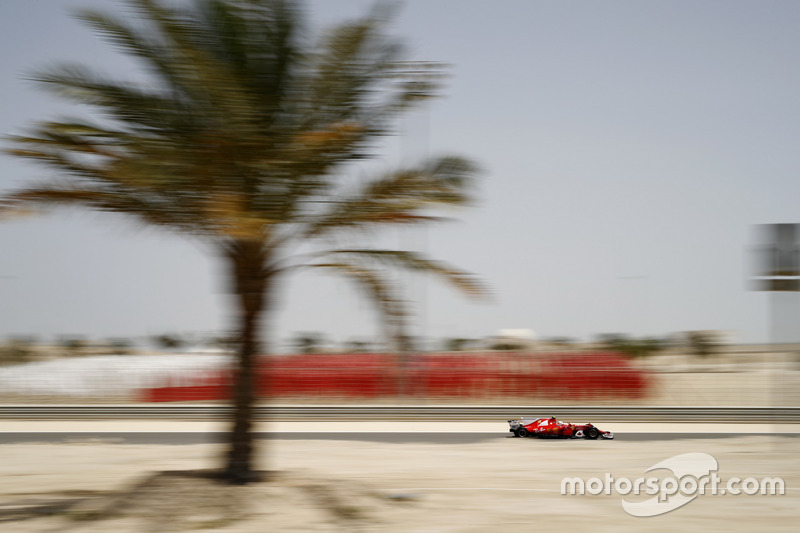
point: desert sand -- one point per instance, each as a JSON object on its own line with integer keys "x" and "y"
{"x": 336, "y": 485}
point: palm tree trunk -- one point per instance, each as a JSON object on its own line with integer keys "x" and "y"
{"x": 247, "y": 261}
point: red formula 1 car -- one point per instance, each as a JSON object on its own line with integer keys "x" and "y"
{"x": 555, "y": 429}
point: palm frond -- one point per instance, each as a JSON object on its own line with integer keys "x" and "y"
{"x": 133, "y": 108}
{"x": 376, "y": 288}
{"x": 399, "y": 197}
{"x": 415, "y": 262}
{"x": 146, "y": 46}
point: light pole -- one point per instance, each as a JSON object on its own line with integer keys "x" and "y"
{"x": 777, "y": 271}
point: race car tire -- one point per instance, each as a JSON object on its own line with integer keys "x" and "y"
{"x": 522, "y": 432}
{"x": 591, "y": 433}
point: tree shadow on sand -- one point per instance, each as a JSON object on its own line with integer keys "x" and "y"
{"x": 203, "y": 499}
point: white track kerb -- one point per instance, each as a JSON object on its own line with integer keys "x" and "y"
{"x": 693, "y": 474}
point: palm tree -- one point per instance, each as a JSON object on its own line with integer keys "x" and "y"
{"x": 242, "y": 137}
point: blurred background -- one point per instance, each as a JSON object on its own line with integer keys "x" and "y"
{"x": 629, "y": 152}
{"x": 700, "y": 368}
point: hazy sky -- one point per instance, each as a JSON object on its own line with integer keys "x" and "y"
{"x": 628, "y": 147}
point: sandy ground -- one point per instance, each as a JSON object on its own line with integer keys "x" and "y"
{"x": 97, "y": 486}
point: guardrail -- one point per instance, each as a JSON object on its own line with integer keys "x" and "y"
{"x": 415, "y": 412}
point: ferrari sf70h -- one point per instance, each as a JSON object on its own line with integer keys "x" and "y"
{"x": 555, "y": 429}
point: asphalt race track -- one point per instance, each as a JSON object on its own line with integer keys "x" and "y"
{"x": 181, "y": 438}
